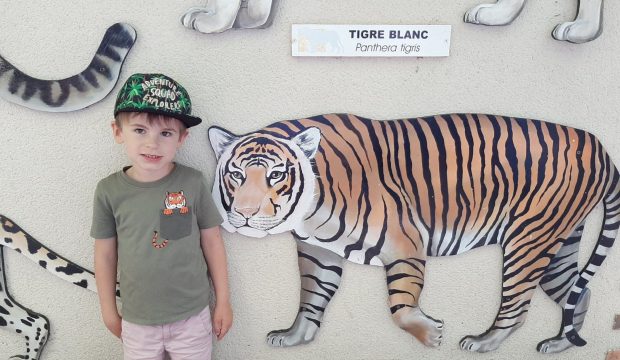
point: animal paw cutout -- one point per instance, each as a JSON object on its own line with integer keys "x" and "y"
{"x": 435, "y": 335}
{"x": 501, "y": 13}
{"x": 553, "y": 345}
{"x": 302, "y": 331}
{"x": 480, "y": 343}
{"x": 221, "y": 15}
{"x": 587, "y": 26}
{"x": 578, "y": 31}
{"x": 426, "y": 329}
{"x": 287, "y": 337}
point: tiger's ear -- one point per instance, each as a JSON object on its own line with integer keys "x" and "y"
{"x": 220, "y": 139}
{"x": 308, "y": 141}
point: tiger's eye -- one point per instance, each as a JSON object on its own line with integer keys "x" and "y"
{"x": 275, "y": 175}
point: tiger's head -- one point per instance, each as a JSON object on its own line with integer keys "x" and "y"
{"x": 264, "y": 184}
{"x": 175, "y": 200}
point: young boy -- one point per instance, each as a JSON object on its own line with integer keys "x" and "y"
{"x": 156, "y": 221}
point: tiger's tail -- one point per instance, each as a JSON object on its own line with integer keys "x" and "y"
{"x": 609, "y": 231}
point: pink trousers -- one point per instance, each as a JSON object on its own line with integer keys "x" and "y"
{"x": 189, "y": 339}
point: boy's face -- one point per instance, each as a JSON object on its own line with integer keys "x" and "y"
{"x": 150, "y": 145}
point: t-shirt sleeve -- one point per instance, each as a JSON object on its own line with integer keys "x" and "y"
{"x": 207, "y": 213}
{"x": 103, "y": 225}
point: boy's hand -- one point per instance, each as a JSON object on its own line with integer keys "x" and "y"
{"x": 113, "y": 322}
{"x": 222, "y": 319}
{"x": 106, "y": 262}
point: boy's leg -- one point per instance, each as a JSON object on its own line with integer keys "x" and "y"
{"x": 190, "y": 339}
{"x": 142, "y": 342}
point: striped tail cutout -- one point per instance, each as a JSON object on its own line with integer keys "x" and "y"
{"x": 75, "y": 92}
{"x": 609, "y": 231}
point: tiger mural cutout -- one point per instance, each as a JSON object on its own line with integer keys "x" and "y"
{"x": 392, "y": 193}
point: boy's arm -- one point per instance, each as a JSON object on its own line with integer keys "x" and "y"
{"x": 215, "y": 255}
{"x": 106, "y": 259}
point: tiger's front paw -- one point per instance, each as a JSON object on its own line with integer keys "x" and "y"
{"x": 288, "y": 337}
{"x": 488, "y": 341}
{"x": 434, "y": 334}
{"x": 553, "y": 345}
{"x": 426, "y": 329}
{"x": 302, "y": 332}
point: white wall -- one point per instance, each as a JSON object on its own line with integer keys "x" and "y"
{"x": 243, "y": 80}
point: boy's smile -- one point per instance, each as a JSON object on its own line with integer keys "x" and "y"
{"x": 151, "y": 143}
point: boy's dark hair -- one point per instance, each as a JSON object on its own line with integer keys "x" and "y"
{"x": 122, "y": 116}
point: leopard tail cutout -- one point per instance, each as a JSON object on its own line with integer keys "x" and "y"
{"x": 32, "y": 326}
{"x": 14, "y": 237}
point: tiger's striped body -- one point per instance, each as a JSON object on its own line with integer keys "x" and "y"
{"x": 392, "y": 193}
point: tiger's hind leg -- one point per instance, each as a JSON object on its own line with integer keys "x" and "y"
{"x": 557, "y": 282}
{"x": 524, "y": 265}
{"x": 501, "y": 13}
{"x": 14, "y": 317}
{"x": 320, "y": 271}
{"x": 405, "y": 280}
{"x": 587, "y": 26}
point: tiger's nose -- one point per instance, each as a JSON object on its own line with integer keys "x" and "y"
{"x": 247, "y": 212}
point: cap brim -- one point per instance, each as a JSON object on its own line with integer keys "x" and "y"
{"x": 187, "y": 120}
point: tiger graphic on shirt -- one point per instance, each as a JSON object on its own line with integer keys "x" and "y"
{"x": 175, "y": 200}
{"x": 393, "y": 193}
{"x": 172, "y": 201}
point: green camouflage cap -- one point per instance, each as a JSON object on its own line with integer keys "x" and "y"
{"x": 156, "y": 94}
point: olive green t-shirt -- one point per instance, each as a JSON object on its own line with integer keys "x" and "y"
{"x": 162, "y": 270}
